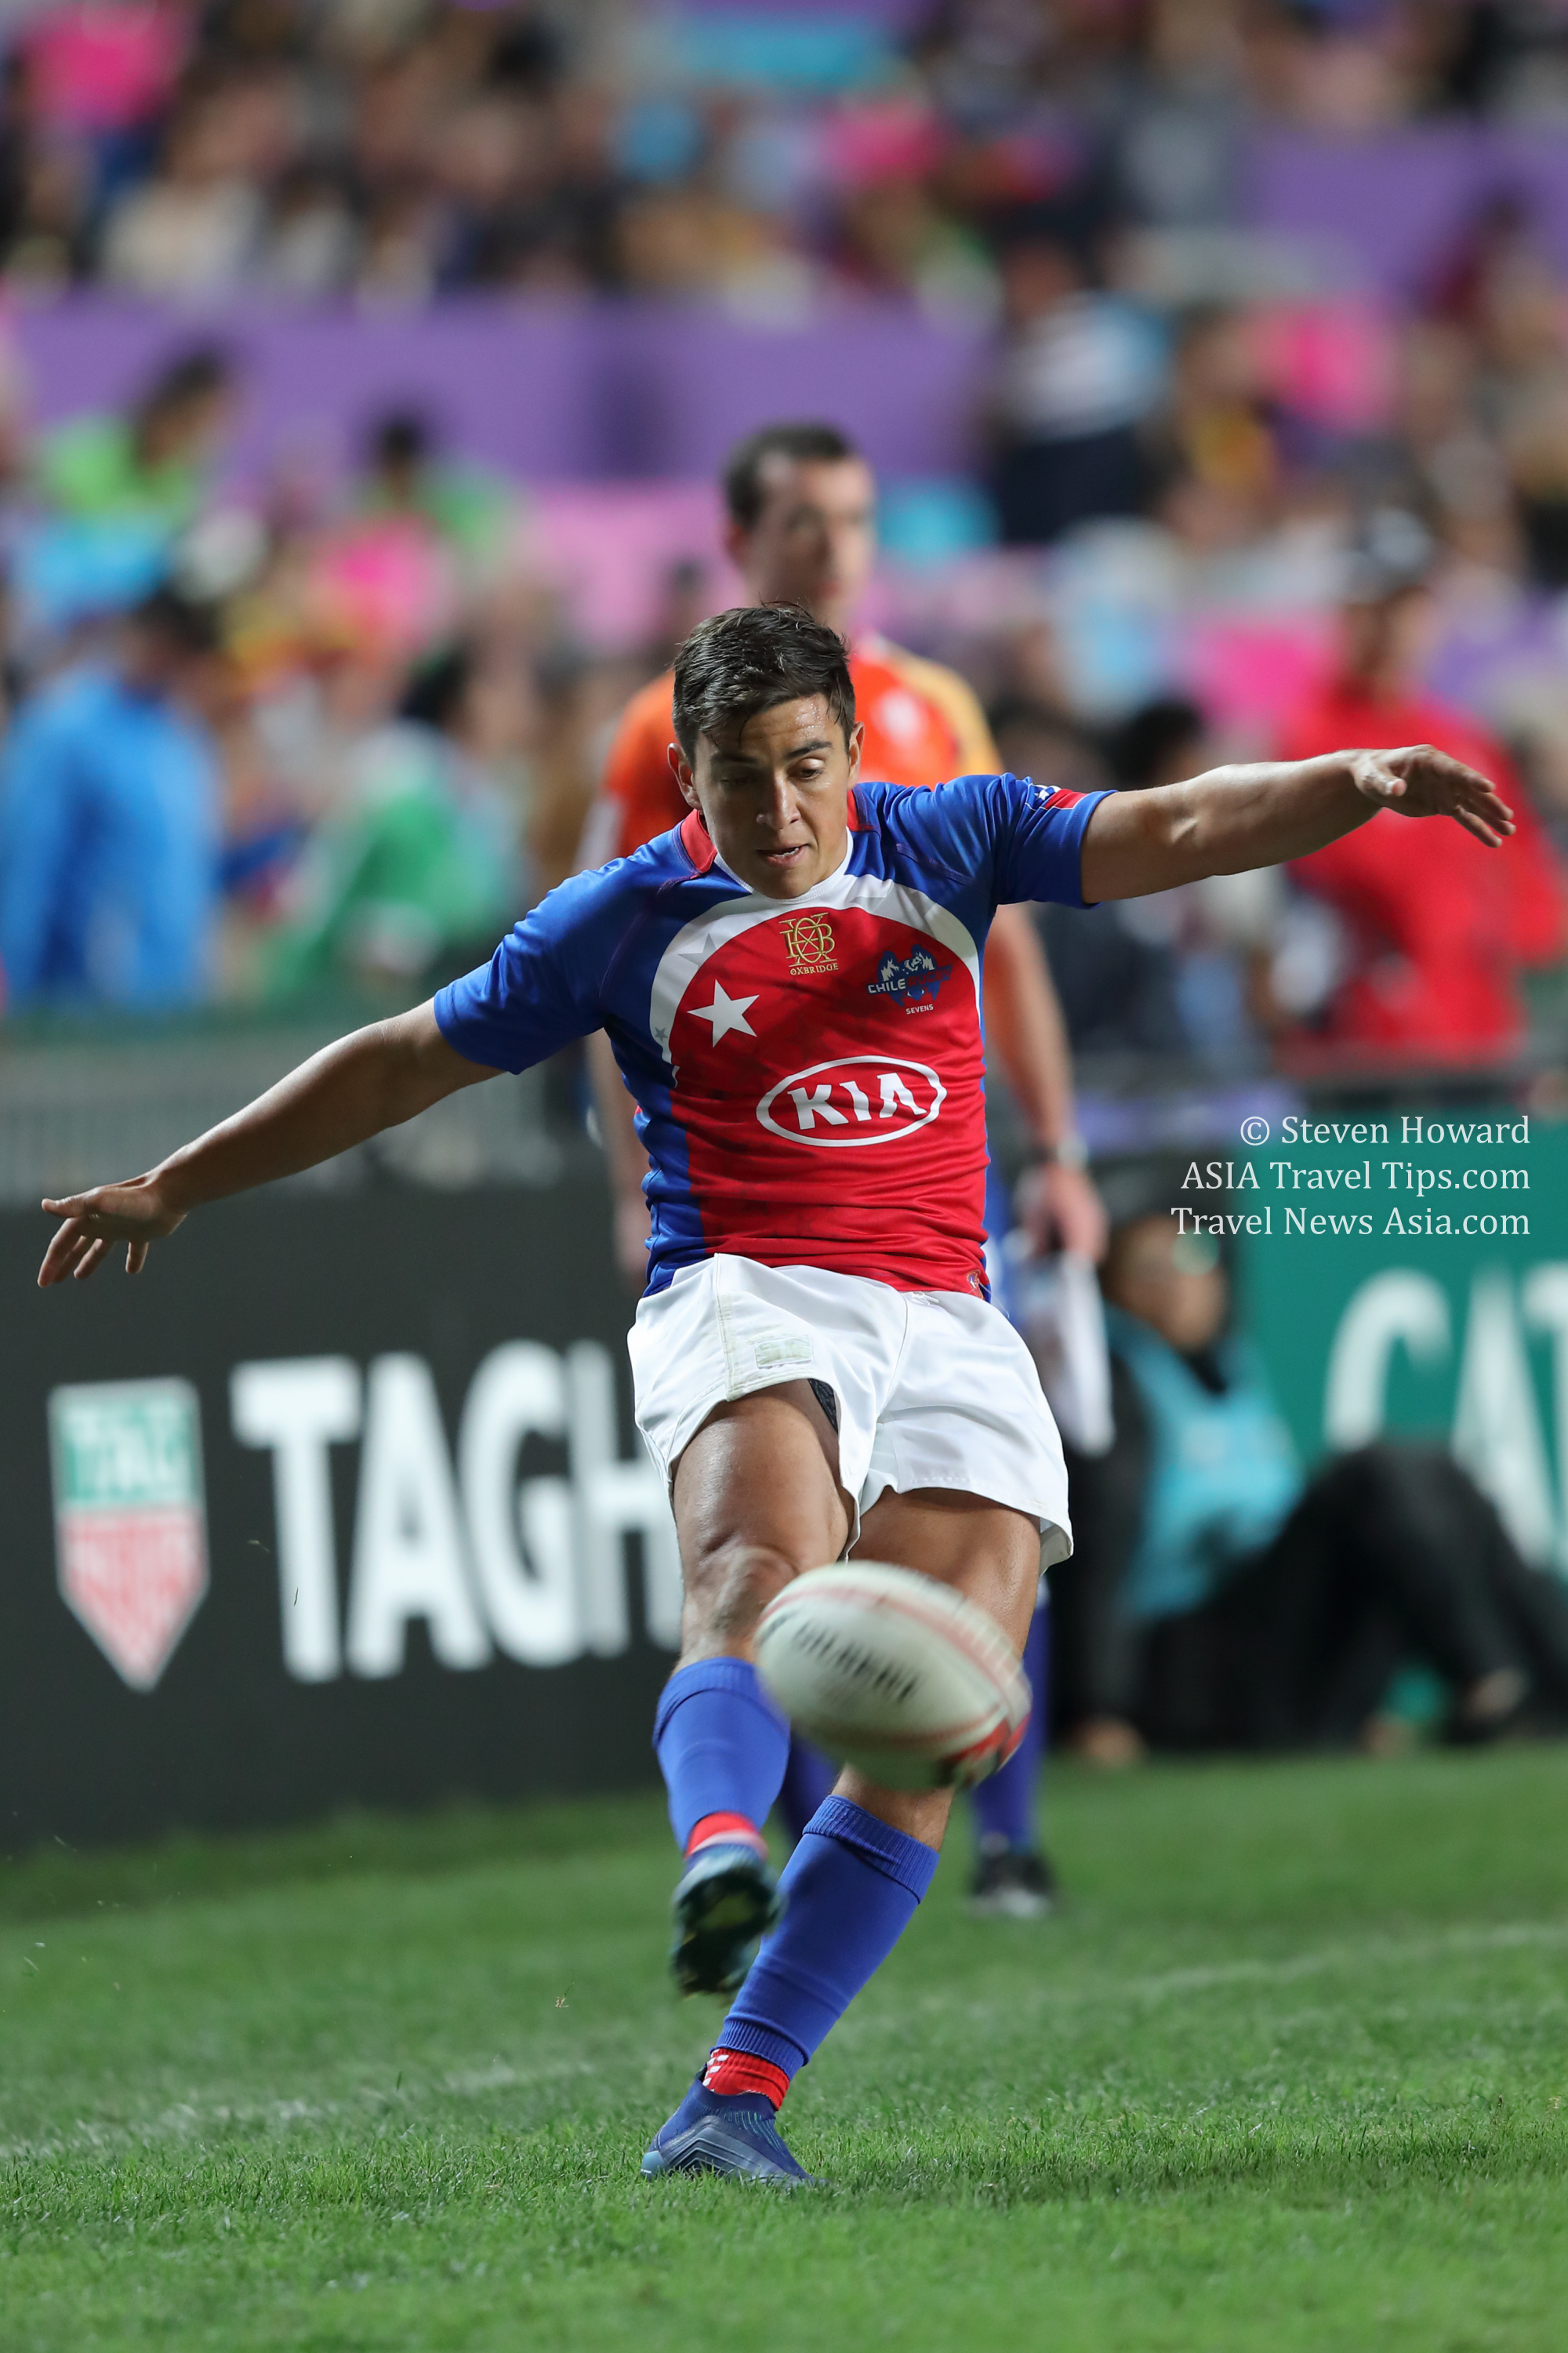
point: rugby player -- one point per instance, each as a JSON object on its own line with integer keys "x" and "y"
{"x": 800, "y": 526}
{"x": 791, "y": 981}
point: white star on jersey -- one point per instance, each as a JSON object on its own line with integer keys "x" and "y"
{"x": 726, "y": 1013}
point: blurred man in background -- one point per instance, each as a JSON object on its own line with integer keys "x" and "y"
{"x": 801, "y": 529}
{"x": 1219, "y": 1597}
{"x": 1436, "y": 942}
{"x": 109, "y": 799}
{"x": 418, "y": 860}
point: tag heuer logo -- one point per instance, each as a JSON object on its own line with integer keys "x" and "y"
{"x": 131, "y": 1529}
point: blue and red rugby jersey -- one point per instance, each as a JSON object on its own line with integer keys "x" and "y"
{"x": 810, "y": 1072}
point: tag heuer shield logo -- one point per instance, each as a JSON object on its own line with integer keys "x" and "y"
{"x": 130, "y": 1534}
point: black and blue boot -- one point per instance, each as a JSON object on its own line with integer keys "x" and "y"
{"x": 734, "y": 2134}
{"x": 724, "y": 1905}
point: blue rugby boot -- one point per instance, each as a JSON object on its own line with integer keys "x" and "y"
{"x": 724, "y": 1905}
{"x": 728, "y": 2133}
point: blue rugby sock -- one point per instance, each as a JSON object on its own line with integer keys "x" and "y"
{"x": 808, "y": 1779}
{"x": 721, "y": 1746}
{"x": 1005, "y": 1806}
{"x": 851, "y": 1887}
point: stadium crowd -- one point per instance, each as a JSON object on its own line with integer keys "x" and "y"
{"x": 389, "y": 715}
{"x": 398, "y": 148}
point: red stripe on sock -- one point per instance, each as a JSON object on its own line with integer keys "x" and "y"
{"x": 742, "y": 2071}
{"x": 735, "y": 1828}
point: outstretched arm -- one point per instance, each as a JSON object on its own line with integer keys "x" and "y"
{"x": 1262, "y": 815}
{"x": 376, "y": 1078}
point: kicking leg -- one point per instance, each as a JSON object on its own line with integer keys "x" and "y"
{"x": 756, "y": 1502}
{"x": 862, "y": 1865}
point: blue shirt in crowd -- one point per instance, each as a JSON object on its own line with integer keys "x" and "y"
{"x": 1223, "y": 1474}
{"x": 109, "y": 847}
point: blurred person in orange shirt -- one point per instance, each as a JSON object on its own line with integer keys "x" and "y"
{"x": 802, "y": 530}
{"x": 1436, "y": 940}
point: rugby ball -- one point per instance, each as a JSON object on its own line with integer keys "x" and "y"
{"x": 895, "y": 1673}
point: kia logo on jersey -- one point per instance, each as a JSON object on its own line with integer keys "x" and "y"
{"x": 855, "y": 1099}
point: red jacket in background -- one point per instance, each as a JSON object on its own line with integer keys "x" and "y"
{"x": 1440, "y": 925}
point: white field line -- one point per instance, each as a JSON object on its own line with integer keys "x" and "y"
{"x": 1168, "y": 1985}
{"x": 202, "y": 2119}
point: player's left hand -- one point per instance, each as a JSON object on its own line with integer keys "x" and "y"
{"x": 1059, "y": 1209}
{"x": 1419, "y": 781}
{"x": 91, "y": 1223}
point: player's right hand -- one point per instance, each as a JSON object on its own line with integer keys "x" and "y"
{"x": 135, "y": 1213}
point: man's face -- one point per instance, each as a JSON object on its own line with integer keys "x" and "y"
{"x": 1386, "y": 641}
{"x": 154, "y": 662}
{"x": 1171, "y": 1281}
{"x": 774, "y": 794}
{"x": 814, "y": 542}
{"x": 187, "y": 432}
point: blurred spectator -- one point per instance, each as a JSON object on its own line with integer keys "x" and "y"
{"x": 1164, "y": 975}
{"x": 1115, "y": 976}
{"x": 312, "y": 240}
{"x": 192, "y": 228}
{"x": 45, "y": 187}
{"x": 1219, "y": 1597}
{"x": 1178, "y": 151}
{"x": 152, "y": 464}
{"x": 1078, "y": 372}
{"x": 1525, "y": 384}
{"x": 109, "y": 823}
{"x": 417, "y": 866}
{"x": 1436, "y": 933}
{"x": 407, "y": 476}
{"x": 1219, "y": 429}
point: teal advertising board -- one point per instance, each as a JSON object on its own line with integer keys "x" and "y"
{"x": 1412, "y": 1278}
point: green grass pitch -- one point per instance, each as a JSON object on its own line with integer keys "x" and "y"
{"x": 1287, "y": 2074}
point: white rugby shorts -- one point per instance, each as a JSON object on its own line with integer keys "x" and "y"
{"x": 934, "y": 1388}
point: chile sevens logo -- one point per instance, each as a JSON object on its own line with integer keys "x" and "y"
{"x": 810, "y": 942}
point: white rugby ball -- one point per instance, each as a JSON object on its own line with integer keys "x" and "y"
{"x": 895, "y": 1673}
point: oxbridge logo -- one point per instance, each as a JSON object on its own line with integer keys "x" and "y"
{"x": 855, "y": 1100}
{"x": 811, "y": 944}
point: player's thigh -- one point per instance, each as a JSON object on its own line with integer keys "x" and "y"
{"x": 991, "y": 1555}
{"x": 757, "y": 1501}
{"x": 989, "y": 1551}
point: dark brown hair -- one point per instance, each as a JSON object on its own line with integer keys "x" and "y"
{"x": 752, "y": 658}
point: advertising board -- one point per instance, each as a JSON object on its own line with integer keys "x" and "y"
{"x": 338, "y": 1502}
{"x": 1429, "y": 1295}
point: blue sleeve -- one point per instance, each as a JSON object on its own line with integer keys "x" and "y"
{"x": 38, "y": 826}
{"x": 1040, "y": 840}
{"x": 542, "y": 987}
{"x": 1022, "y": 838}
